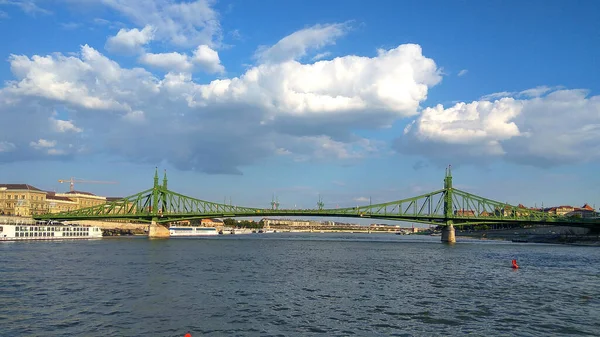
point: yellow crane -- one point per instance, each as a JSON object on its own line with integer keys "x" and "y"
{"x": 72, "y": 182}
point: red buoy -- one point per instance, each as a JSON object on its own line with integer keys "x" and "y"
{"x": 188, "y": 335}
{"x": 514, "y": 264}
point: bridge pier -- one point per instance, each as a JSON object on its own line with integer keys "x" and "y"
{"x": 158, "y": 231}
{"x": 449, "y": 234}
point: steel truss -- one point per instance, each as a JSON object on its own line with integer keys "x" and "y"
{"x": 445, "y": 206}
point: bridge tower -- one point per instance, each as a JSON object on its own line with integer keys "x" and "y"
{"x": 320, "y": 203}
{"x": 448, "y": 232}
{"x": 274, "y": 202}
{"x": 158, "y": 230}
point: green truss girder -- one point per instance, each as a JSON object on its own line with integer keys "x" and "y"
{"x": 444, "y": 206}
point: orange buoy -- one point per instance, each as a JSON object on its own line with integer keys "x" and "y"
{"x": 187, "y": 334}
{"x": 514, "y": 264}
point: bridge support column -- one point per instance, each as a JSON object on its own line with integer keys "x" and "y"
{"x": 448, "y": 233}
{"x": 158, "y": 231}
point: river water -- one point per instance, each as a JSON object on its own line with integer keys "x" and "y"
{"x": 297, "y": 284}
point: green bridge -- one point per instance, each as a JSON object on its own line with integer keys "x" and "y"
{"x": 447, "y": 207}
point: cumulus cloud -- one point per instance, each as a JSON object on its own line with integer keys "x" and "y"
{"x": 167, "y": 61}
{"x": 304, "y": 111}
{"x": 543, "y": 128}
{"x": 297, "y": 44}
{"x": 63, "y": 78}
{"x": 208, "y": 59}
{"x": 130, "y": 41}
{"x": 203, "y": 58}
{"x": 393, "y": 82}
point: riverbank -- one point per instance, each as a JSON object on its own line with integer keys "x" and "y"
{"x": 549, "y": 234}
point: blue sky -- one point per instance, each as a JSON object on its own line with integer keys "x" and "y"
{"x": 348, "y": 99}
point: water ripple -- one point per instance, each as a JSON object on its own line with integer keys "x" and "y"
{"x": 298, "y": 284}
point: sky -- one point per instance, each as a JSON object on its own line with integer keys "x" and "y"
{"x": 353, "y": 101}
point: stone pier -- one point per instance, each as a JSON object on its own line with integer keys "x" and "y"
{"x": 448, "y": 234}
{"x": 158, "y": 231}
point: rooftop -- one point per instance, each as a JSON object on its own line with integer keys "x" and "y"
{"x": 52, "y": 196}
{"x": 80, "y": 192}
{"x": 20, "y": 187}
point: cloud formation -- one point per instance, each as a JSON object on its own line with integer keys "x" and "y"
{"x": 301, "y": 111}
{"x": 130, "y": 41}
{"x": 181, "y": 24}
{"x": 297, "y": 44}
{"x": 204, "y": 58}
{"x": 543, "y": 127}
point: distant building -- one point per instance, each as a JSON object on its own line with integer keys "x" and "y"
{"x": 464, "y": 212}
{"x": 585, "y": 211}
{"x": 83, "y": 199}
{"x": 26, "y": 200}
{"x": 58, "y": 204}
{"x": 291, "y": 223}
{"x": 202, "y": 222}
{"x": 22, "y": 200}
{"x": 211, "y": 223}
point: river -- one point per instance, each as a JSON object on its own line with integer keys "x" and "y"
{"x": 297, "y": 284}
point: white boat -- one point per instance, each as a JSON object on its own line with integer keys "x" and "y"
{"x": 47, "y": 231}
{"x": 192, "y": 231}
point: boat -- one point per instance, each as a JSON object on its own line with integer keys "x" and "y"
{"x": 47, "y": 231}
{"x": 192, "y": 231}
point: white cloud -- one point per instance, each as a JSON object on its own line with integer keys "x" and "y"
{"x": 307, "y": 111}
{"x": 535, "y": 92}
{"x": 167, "y": 61}
{"x": 130, "y": 41}
{"x": 208, "y": 59}
{"x": 7, "y": 146}
{"x": 361, "y": 199}
{"x": 63, "y": 78}
{"x": 204, "y": 58}
{"x": 4, "y": 15}
{"x": 321, "y": 56}
{"x": 463, "y": 72}
{"x": 64, "y": 126}
{"x": 136, "y": 116}
{"x": 184, "y": 24}
{"x": 496, "y": 95}
{"x": 394, "y": 82}
{"x": 297, "y": 44}
{"x": 43, "y": 143}
{"x": 561, "y": 127}
{"x": 27, "y": 6}
{"x": 56, "y": 152}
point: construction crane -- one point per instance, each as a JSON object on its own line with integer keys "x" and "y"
{"x": 72, "y": 182}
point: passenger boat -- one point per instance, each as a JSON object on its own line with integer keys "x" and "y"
{"x": 192, "y": 231}
{"x": 47, "y": 231}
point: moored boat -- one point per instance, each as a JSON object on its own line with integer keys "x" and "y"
{"x": 192, "y": 231}
{"x": 47, "y": 231}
